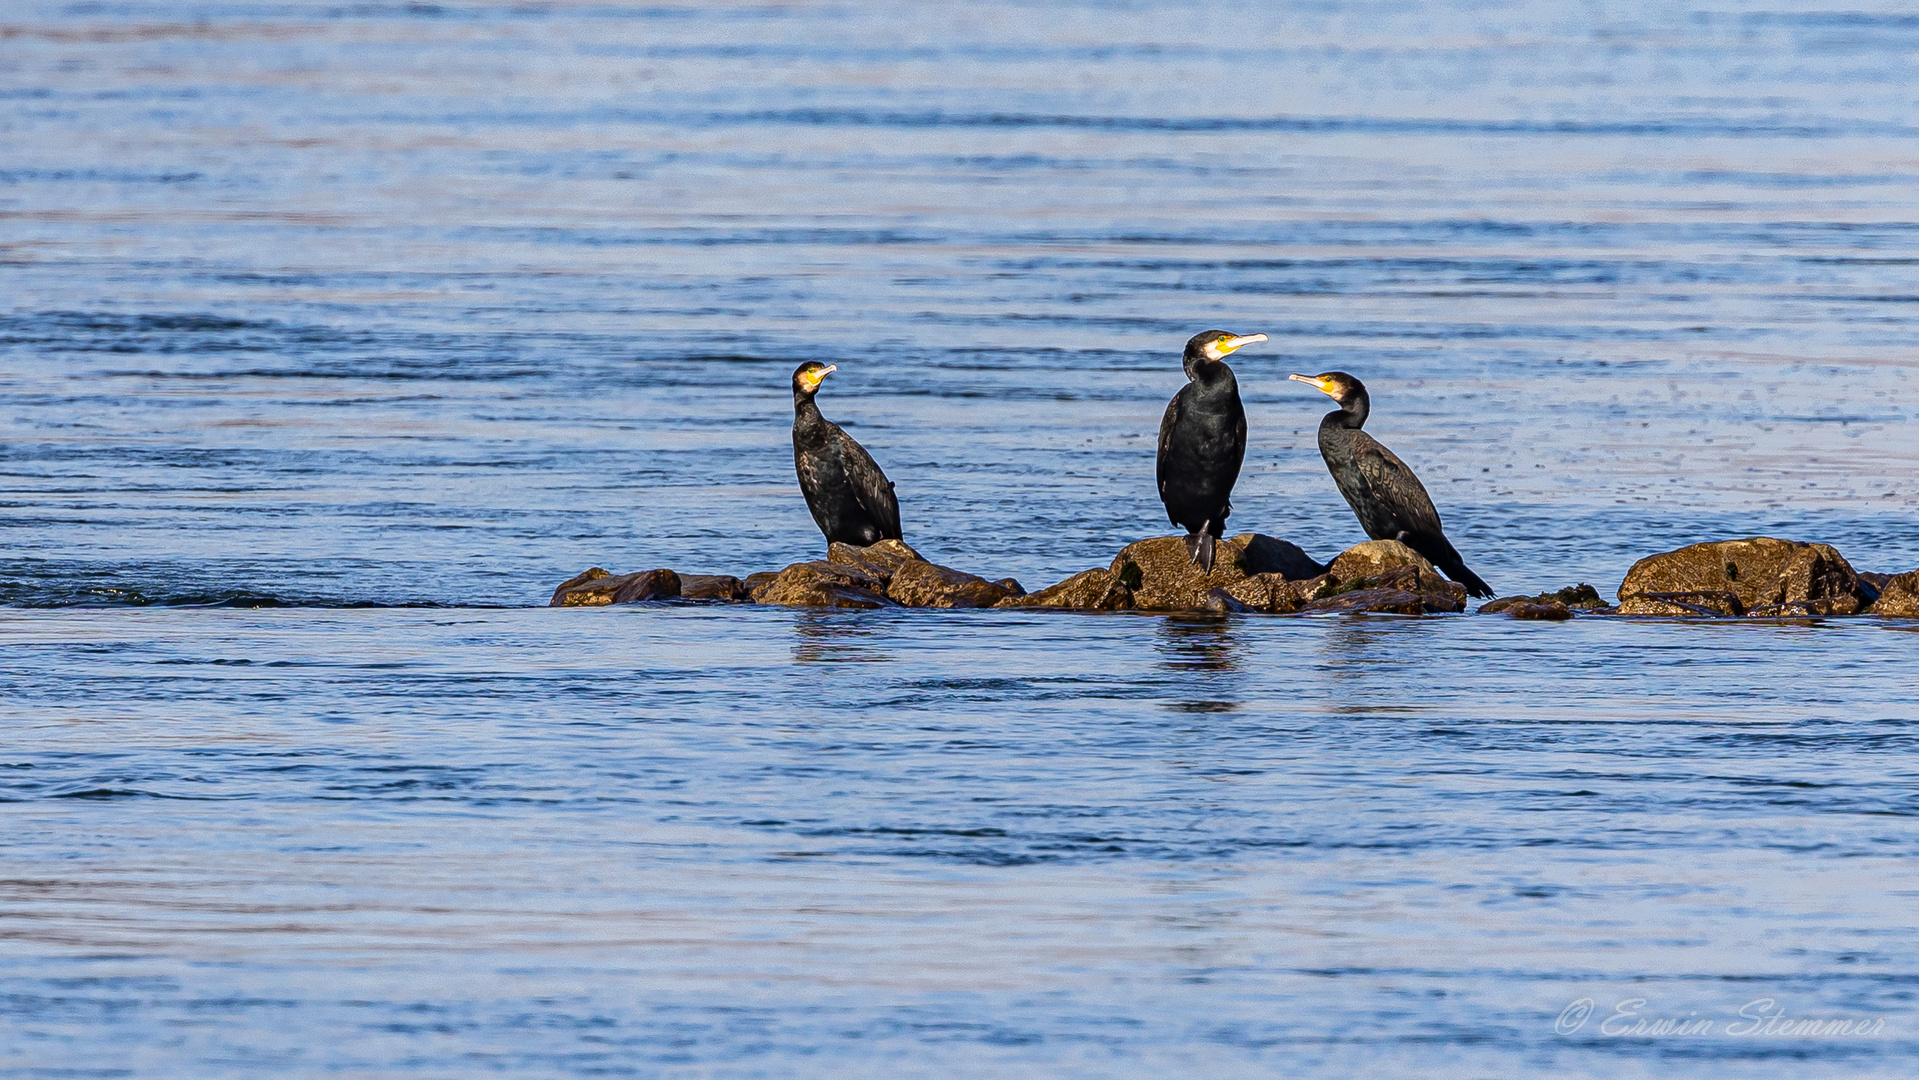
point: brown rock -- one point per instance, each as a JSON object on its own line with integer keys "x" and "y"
{"x": 921, "y": 584}
{"x": 1581, "y": 597}
{"x": 712, "y": 587}
{"x": 1088, "y": 590}
{"x": 754, "y": 581}
{"x": 1899, "y": 597}
{"x": 1163, "y": 578}
{"x": 1763, "y": 573}
{"x": 1374, "y": 559}
{"x": 1552, "y": 610}
{"x": 877, "y": 560}
{"x": 575, "y": 582}
{"x": 1708, "y": 602}
{"x": 1270, "y": 593}
{"x": 1010, "y": 585}
{"x": 823, "y": 584}
{"x": 1377, "y": 601}
{"x": 647, "y": 585}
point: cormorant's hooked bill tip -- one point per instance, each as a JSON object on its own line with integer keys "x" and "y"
{"x": 1232, "y": 343}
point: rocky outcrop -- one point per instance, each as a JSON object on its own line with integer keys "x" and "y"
{"x": 823, "y": 584}
{"x": 1899, "y": 596}
{"x": 1375, "y": 558}
{"x": 1762, "y": 576}
{"x": 1369, "y": 601}
{"x": 1162, "y": 576}
{"x": 712, "y": 587}
{"x": 918, "y": 583}
{"x": 878, "y": 561}
{"x": 1581, "y": 597}
{"x": 596, "y": 588}
{"x": 1088, "y": 590}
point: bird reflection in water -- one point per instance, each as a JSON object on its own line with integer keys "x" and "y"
{"x": 828, "y": 637}
{"x": 1372, "y": 665}
{"x": 1207, "y": 652}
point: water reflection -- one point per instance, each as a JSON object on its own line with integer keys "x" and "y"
{"x": 1206, "y": 654}
{"x": 836, "y": 637}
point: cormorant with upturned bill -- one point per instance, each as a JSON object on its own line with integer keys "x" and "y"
{"x": 1202, "y": 441}
{"x": 1389, "y": 500}
{"x": 851, "y": 499}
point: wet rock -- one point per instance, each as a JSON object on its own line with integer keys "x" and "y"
{"x": 712, "y": 587}
{"x": 1221, "y": 602}
{"x": 1271, "y": 593}
{"x": 1163, "y": 578}
{"x": 597, "y": 588}
{"x": 647, "y": 585}
{"x": 823, "y": 584}
{"x": 1765, "y": 574}
{"x": 1713, "y": 603}
{"x": 1553, "y": 610}
{"x": 918, "y": 583}
{"x": 1011, "y": 586}
{"x": 1375, "y": 559}
{"x": 754, "y": 581}
{"x": 1370, "y": 601}
{"x": 1899, "y": 596}
{"x": 878, "y": 561}
{"x": 578, "y": 582}
{"x": 1581, "y": 597}
{"x": 1088, "y": 590}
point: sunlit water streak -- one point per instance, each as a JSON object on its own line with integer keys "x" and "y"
{"x": 348, "y": 307}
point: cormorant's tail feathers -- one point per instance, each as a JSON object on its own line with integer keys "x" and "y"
{"x": 1475, "y": 585}
{"x": 1205, "y": 554}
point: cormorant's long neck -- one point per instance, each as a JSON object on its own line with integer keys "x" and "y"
{"x": 1351, "y": 413}
{"x": 1211, "y": 376}
{"x": 808, "y": 424}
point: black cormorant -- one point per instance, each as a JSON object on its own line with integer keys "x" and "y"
{"x": 1201, "y": 443}
{"x": 1389, "y": 500}
{"x": 849, "y": 496}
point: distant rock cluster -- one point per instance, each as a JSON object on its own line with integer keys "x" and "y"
{"x": 1760, "y": 577}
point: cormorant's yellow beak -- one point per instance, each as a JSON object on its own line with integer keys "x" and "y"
{"x": 828, "y": 370}
{"x": 1316, "y": 383}
{"x": 1227, "y": 345}
{"x": 814, "y": 379}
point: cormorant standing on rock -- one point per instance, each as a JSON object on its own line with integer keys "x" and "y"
{"x": 851, "y": 499}
{"x": 1202, "y": 440}
{"x": 1389, "y": 500}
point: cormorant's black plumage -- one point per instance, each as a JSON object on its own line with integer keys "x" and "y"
{"x": 1388, "y": 499}
{"x": 849, "y": 496}
{"x": 1202, "y": 441}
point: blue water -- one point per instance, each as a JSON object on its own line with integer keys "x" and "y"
{"x": 333, "y": 336}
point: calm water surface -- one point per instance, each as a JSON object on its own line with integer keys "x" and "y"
{"x": 332, "y": 336}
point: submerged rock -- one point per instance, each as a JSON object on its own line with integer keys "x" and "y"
{"x": 1553, "y": 610}
{"x": 1899, "y": 596}
{"x": 1088, "y": 590}
{"x": 1162, "y": 577}
{"x": 1765, "y": 576}
{"x": 823, "y": 584}
{"x": 1712, "y": 603}
{"x": 918, "y": 583}
{"x": 597, "y": 588}
{"x": 1581, "y": 597}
